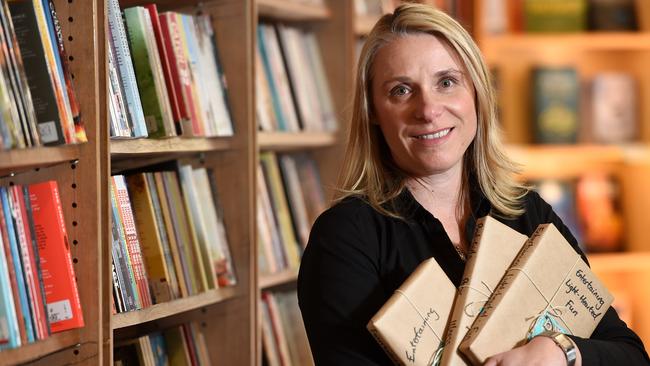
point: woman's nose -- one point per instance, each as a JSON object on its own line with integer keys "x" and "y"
{"x": 429, "y": 106}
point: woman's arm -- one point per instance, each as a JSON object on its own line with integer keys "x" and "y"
{"x": 339, "y": 289}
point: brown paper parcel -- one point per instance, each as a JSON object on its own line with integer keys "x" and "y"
{"x": 411, "y": 324}
{"x": 493, "y": 249}
{"x": 547, "y": 287}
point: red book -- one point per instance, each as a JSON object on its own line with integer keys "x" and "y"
{"x": 180, "y": 71}
{"x": 31, "y": 267}
{"x": 178, "y": 109}
{"x": 12, "y": 276}
{"x": 131, "y": 236}
{"x": 61, "y": 294}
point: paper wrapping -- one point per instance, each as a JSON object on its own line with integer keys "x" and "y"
{"x": 547, "y": 287}
{"x": 493, "y": 249}
{"x": 411, "y": 324}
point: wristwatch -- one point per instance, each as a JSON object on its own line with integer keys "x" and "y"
{"x": 565, "y": 343}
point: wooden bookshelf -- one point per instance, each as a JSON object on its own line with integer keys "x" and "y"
{"x": 292, "y": 10}
{"x": 172, "y": 308}
{"x": 494, "y": 46}
{"x": 147, "y": 147}
{"x": 295, "y": 141}
{"x": 268, "y": 281}
{"x": 33, "y": 352}
{"x": 566, "y": 161}
{"x": 627, "y": 275}
{"x": 21, "y": 159}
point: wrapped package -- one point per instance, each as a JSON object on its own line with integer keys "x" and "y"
{"x": 493, "y": 249}
{"x": 547, "y": 287}
{"x": 411, "y": 324}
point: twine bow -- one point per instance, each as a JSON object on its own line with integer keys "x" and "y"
{"x": 550, "y": 313}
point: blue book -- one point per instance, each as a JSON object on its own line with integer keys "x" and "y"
{"x": 277, "y": 107}
{"x": 159, "y": 349}
{"x": 119, "y": 44}
{"x": 18, "y": 268}
{"x": 9, "y": 331}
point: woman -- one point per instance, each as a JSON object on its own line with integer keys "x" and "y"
{"x": 423, "y": 163}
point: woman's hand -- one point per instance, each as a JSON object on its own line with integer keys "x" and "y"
{"x": 539, "y": 351}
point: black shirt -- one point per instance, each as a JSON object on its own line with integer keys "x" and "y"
{"x": 357, "y": 257}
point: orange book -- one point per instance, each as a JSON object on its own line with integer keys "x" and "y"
{"x": 61, "y": 294}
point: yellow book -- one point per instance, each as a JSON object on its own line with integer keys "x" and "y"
{"x": 160, "y": 279}
{"x": 279, "y": 200}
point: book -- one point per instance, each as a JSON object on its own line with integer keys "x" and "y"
{"x": 41, "y": 73}
{"x": 66, "y": 74}
{"x": 555, "y": 15}
{"x": 556, "y": 99}
{"x": 61, "y": 293}
{"x": 120, "y": 254}
{"x": 9, "y": 330}
{"x": 20, "y": 114}
{"x": 280, "y": 206}
{"x": 561, "y": 195}
{"x": 13, "y": 276}
{"x": 180, "y": 72}
{"x": 547, "y": 287}
{"x": 119, "y": 47}
{"x": 161, "y": 278}
{"x": 26, "y": 319}
{"x": 148, "y": 72}
{"x": 176, "y": 253}
{"x": 127, "y": 221}
{"x": 28, "y": 252}
{"x": 613, "y": 108}
{"x": 599, "y": 212}
{"x": 213, "y": 214}
{"x": 612, "y": 15}
{"x": 178, "y": 111}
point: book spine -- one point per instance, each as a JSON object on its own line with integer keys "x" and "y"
{"x": 66, "y": 75}
{"x": 21, "y": 105}
{"x": 42, "y": 88}
{"x": 121, "y": 258}
{"x": 181, "y": 71}
{"x": 176, "y": 252}
{"x": 18, "y": 265}
{"x": 502, "y": 288}
{"x": 174, "y": 101}
{"x": 150, "y": 240}
{"x": 188, "y": 41}
{"x": 62, "y": 295}
{"x": 157, "y": 70}
{"x": 120, "y": 118}
{"x": 44, "y": 16}
{"x": 125, "y": 66}
{"x": 165, "y": 241}
{"x": 9, "y": 330}
{"x": 29, "y": 264}
{"x": 132, "y": 241}
{"x": 140, "y": 58}
{"x": 4, "y": 237}
{"x": 205, "y": 270}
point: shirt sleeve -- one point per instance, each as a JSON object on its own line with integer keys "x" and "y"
{"x": 612, "y": 342}
{"x": 339, "y": 289}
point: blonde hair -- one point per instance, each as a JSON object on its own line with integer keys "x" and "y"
{"x": 368, "y": 169}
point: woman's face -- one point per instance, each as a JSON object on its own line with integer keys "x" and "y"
{"x": 424, "y": 104}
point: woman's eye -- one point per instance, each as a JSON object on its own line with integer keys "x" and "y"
{"x": 399, "y": 91}
{"x": 447, "y": 82}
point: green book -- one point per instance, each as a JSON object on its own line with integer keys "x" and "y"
{"x": 555, "y": 15}
{"x": 151, "y": 84}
